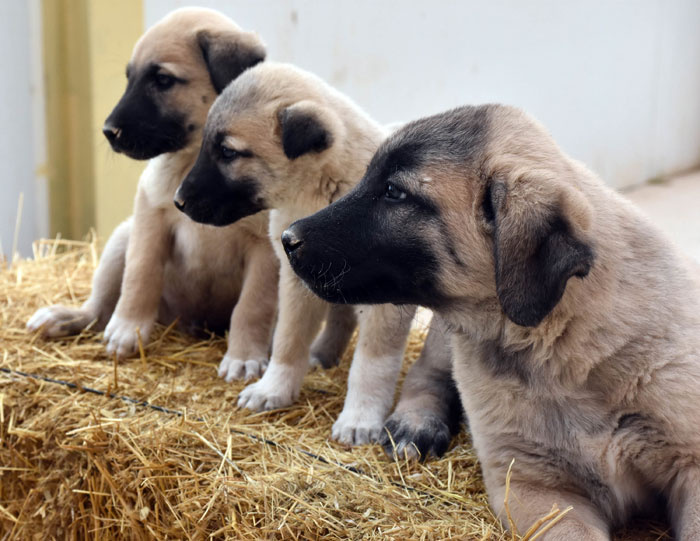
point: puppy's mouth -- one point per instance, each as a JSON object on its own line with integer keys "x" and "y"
{"x": 142, "y": 141}
{"x": 321, "y": 281}
{"x": 218, "y": 209}
{"x": 340, "y": 281}
{"x": 135, "y": 152}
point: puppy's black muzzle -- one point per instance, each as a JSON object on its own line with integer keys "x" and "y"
{"x": 350, "y": 253}
{"x": 138, "y": 128}
{"x": 208, "y": 197}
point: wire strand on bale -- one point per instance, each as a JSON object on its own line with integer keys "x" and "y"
{"x": 155, "y": 407}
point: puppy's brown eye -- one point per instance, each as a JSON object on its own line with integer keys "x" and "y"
{"x": 164, "y": 81}
{"x": 228, "y": 154}
{"x": 393, "y": 193}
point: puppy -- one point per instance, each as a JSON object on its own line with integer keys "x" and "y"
{"x": 159, "y": 265}
{"x": 576, "y": 323}
{"x": 280, "y": 138}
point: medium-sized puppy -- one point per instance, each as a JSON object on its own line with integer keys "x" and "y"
{"x": 280, "y": 138}
{"x": 159, "y": 265}
{"x": 576, "y": 322}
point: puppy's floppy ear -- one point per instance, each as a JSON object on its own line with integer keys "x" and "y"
{"x": 306, "y": 127}
{"x": 536, "y": 249}
{"x": 227, "y": 54}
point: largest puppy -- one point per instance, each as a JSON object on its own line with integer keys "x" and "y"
{"x": 576, "y": 323}
{"x": 159, "y": 265}
{"x": 280, "y": 138}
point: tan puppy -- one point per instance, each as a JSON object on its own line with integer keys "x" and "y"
{"x": 576, "y": 322}
{"x": 159, "y": 265}
{"x": 280, "y": 138}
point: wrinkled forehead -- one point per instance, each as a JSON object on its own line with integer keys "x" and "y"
{"x": 245, "y": 100}
{"x": 242, "y": 126}
{"x": 460, "y": 136}
{"x": 439, "y": 156}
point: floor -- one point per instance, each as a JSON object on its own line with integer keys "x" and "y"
{"x": 675, "y": 206}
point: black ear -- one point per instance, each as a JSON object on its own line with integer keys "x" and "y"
{"x": 535, "y": 254}
{"x": 303, "y": 130}
{"x": 228, "y": 54}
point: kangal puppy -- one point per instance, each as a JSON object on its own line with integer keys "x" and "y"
{"x": 159, "y": 265}
{"x": 280, "y": 138}
{"x": 576, "y": 323}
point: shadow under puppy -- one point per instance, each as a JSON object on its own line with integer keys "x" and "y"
{"x": 576, "y": 323}
{"x": 280, "y": 138}
{"x": 159, "y": 265}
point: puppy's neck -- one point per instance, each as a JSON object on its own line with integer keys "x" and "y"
{"x": 541, "y": 352}
{"x": 164, "y": 173}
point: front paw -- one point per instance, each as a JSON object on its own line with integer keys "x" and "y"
{"x": 278, "y": 388}
{"x": 232, "y": 368}
{"x": 57, "y": 320}
{"x": 322, "y": 359}
{"x": 415, "y": 435}
{"x": 357, "y": 426}
{"x": 122, "y": 335}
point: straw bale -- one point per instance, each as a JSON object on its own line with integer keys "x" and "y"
{"x": 75, "y": 464}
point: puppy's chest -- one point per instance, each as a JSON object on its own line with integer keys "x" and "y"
{"x": 163, "y": 175}
{"x": 557, "y": 435}
{"x": 200, "y": 250}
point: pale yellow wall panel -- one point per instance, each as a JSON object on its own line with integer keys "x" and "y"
{"x": 87, "y": 44}
{"x": 113, "y": 30}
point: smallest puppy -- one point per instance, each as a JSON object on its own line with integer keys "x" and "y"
{"x": 159, "y": 265}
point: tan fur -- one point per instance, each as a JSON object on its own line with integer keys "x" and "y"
{"x": 599, "y": 403}
{"x": 247, "y": 115}
{"x": 173, "y": 267}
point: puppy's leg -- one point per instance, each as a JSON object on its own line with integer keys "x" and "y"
{"x": 253, "y": 317}
{"x": 429, "y": 410}
{"x": 529, "y": 503}
{"x": 330, "y": 345}
{"x": 142, "y": 285}
{"x": 300, "y": 317}
{"x": 684, "y": 503}
{"x": 375, "y": 367}
{"x": 61, "y": 320}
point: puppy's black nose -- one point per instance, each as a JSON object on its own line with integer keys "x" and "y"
{"x": 291, "y": 241}
{"x": 111, "y": 132}
{"x": 179, "y": 201}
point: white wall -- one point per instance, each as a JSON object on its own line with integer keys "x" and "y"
{"x": 22, "y": 143}
{"x": 617, "y": 82}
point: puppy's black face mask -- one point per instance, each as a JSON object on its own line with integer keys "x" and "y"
{"x": 209, "y": 195}
{"x": 141, "y": 125}
{"x": 368, "y": 247}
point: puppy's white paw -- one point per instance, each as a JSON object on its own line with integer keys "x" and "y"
{"x": 59, "y": 320}
{"x": 232, "y": 368}
{"x": 279, "y": 387}
{"x": 122, "y": 338}
{"x": 358, "y": 426}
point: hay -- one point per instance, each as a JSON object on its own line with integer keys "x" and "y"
{"x": 79, "y": 464}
